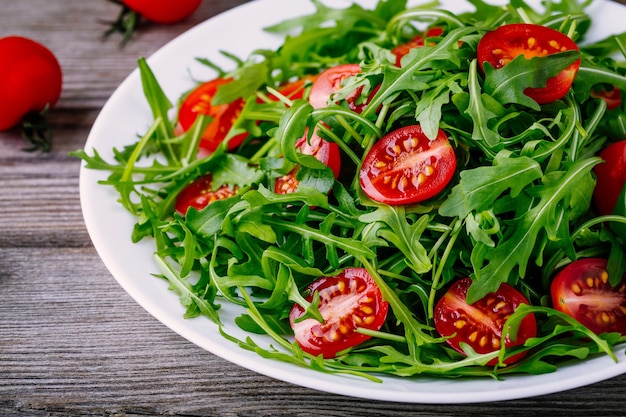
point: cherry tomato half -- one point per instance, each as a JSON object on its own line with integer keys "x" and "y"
{"x": 405, "y": 167}
{"x": 480, "y": 325}
{"x": 224, "y": 115}
{"x": 348, "y": 301}
{"x": 612, "y": 96}
{"x": 330, "y": 81}
{"x": 30, "y": 79}
{"x": 326, "y": 152}
{"x": 611, "y": 177}
{"x": 200, "y": 193}
{"x": 163, "y": 11}
{"x": 507, "y": 42}
{"x": 417, "y": 42}
{"x": 582, "y": 290}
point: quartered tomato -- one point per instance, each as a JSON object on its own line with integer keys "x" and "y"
{"x": 611, "y": 96}
{"x": 611, "y": 177}
{"x": 480, "y": 324}
{"x": 405, "y": 167}
{"x": 348, "y": 301}
{"x": 417, "y": 42}
{"x": 582, "y": 290}
{"x": 326, "y": 152}
{"x": 200, "y": 193}
{"x": 163, "y": 11}
{"x": 502, "y": 45}
{"x": 224, "y": 115}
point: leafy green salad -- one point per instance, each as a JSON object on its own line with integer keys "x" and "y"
{"x": 399, "y": 190}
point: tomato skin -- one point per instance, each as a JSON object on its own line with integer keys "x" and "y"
{"x": 348, "y": 301}
{"x": 163, "y": 11}
{"x": 480, "y": 324}
{"x": 582, "y": 291}
{"x": 224, "y": 115}
{"x": 405, "y": 167}
{"x": 200, "y": 193}
{"x": 611, "y": 177}
{"x": 326, "y": 152}
{"x": 30, "y": 79}
{"x": 505, "y": 43}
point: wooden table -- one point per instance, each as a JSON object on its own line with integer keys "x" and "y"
{"x": 72, "y": 342}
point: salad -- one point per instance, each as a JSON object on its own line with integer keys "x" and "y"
{"x": 399, "y": 190}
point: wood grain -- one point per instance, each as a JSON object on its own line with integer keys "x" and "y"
{"x": 72, "y": 342}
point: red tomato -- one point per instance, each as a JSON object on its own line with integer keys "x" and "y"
{"x": 611, "y": 177}
{"x": 612, "y": 97}
{"x": 582, "y": 290}
{"x": 163, "y": 11}
{"x": 417, "y": 42}
{"x": 326, "y": 152}
{"x": 501, "y": 46}
{"x": 30, "y": 79}
{"x": 200, "y": 193}
{"x": 348, "y": 301}
{"x": 224, "y": 115}
{"x": 330, "y": 81}
{"x": 480, "y": 325}
{"x": 295, "y": 89}
{"x": 405, "y": 167}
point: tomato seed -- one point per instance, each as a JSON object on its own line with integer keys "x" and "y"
{"x": 367, "y": 310}
{"x": 472, "y": 337}
{"x": 495, "y": 342}
{"x": 554, "y": 44}
{"x": 369, "y": 319}
{"x": 576, "y": 288}
{"x": 589, "y": 281}
{"x": 459, "y": 324}
{"x": 604, "y": 277}
{"x": 532, "y": 42}
{"x": 499, "y": 306}
{"x": 483, "y": 341}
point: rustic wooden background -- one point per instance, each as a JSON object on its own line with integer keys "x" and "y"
{"x": 72, "y": 342}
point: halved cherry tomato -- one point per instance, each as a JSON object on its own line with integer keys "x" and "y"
{"x": 224, "y": 115}
{"x": 163, "y": 11}
{"x": 582, "y": 290}
{"x": 30, "y": 81}
{"x": 480, "y": 324}
{"x": 200, "y": 193}
{"x": 612, "y": 96}
{"x": 295, "y": 89}
{"x": 348, "y": 301}
{"x": 405, "y": 167}
{"x": 611, "y": 177}
{"x": 326, "y": 152}
{"x": 417, "y": 42}
{"x": 507, "y": 42}
{"x": 330, "y": 81}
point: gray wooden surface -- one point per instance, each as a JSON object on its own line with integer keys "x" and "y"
{"x": 72, "y": 342}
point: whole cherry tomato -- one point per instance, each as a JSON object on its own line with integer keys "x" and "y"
{"x": 30, "y": 82}
{"x": 507, "y": 42}
{"x": 158, "y": 11}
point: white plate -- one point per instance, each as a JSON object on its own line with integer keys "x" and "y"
{"x": 126, "y": 114}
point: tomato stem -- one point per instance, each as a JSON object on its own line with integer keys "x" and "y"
{"x": 36, "y": 129}
{"x": 126, "y": 23}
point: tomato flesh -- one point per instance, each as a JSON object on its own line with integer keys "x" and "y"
{"x": 611, "y": 177}
{"x": 163, "y": 11}
{"x": 330, "y": 81}
{"x": 200, "y": 193}
{"x": 480, "y": 324}
{"x": 30, "y": 79}
{"x": 502, "y": 45}
{"x": 405, "y": 167}
{"x": 199, "y": 101}
{"x": 582, "y": 290}
{"x": 326, "y": 152}
{"x": 348, "y": 301}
